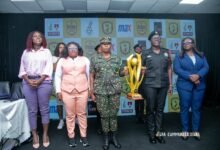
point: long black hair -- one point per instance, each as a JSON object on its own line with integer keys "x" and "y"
{"x": 194, "y": 48}
{"x": 80, "y": 50}
{"x": 56, "y": 51}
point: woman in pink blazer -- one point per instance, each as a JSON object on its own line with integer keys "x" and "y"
{"x": 72, "y": 87}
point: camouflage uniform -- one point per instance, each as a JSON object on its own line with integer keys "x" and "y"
{"x": 107, "y": 89}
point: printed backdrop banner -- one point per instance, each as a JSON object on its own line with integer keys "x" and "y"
{"x": 125, "y": 33}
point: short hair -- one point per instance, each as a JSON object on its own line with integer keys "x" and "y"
{"x": 29, "y": 41}
{"x": 97, "y": 47}
{"x": 65, "y": 52}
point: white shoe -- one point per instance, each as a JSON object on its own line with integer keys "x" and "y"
{"x": 60, "y": 125}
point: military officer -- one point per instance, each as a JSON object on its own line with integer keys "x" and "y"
{"x": 106, "y": 89}
{"x": 157, "y": 82}
{"x": 98, "y": 117}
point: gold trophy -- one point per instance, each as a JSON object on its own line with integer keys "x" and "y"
{"x": 135, "y": 75}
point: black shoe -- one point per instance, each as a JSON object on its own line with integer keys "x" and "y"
{"x": 196, "y": 136}
{"x": 184, "y": 135}
{"x": 84, "y": 141}
{"x": 184, "y": 138}
{"x": 106, "y": 141}
{"x": 160, "y": 139}
{"x": 152, "y": 140}
{"x": 72, "y": 142}
{"x": 115, "y": 141}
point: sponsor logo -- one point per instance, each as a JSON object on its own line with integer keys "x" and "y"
{"x": 71, "y": 27}
{"x": 89, "y": 28}
{"x": 53, "y": 109}
{"x": 107, "y": 27}
{"x": 124, "y": 28}
{"x": 173, "y": 28}
{"x": 141, "y": 27}
{"x": 188, "y": 30}
{"x": 125, "y": 111}
{"x": 125, "y": 47}
{"x": 53, "y": 30}
{"x": 174, "y": 103}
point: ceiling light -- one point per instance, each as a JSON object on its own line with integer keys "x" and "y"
{"x": 191, "y": 2}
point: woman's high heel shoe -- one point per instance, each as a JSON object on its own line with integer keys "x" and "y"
{"x": 36, "y": 145}
{"x": 46, "y": 144}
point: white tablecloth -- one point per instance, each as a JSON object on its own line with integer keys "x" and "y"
{"x": 14, "y": 120}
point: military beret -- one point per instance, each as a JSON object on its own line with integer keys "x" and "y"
{"x": 97, "y": 46}
{"x": 105, "y": 40}
{"x": 152, "y": 34}
{"x": 137, "y": 45}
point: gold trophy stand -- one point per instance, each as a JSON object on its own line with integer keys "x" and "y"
{"x": 135, "y": 76}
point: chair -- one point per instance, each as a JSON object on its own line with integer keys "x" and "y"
{"x": 16, "y": 91}
{"x": 5, "y": 90}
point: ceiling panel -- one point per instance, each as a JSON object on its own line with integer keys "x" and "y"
{"x": 108, "y": 6}
{"x": 163, "y": 6}
{"x": 120, "y": 5}
{"x": 29, "y": 6}
{"x": 140, "y": 6}
{"x": 97, "y": 5}
{"x": 75, "y": 4}
{"x": 51, "y": 5}
{"x": 8, "y": 7}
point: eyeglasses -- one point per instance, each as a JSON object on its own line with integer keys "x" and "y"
{"x": 73, "y": 49}
{"x": 187, "y": 43}
{"x": 156, "y": 38}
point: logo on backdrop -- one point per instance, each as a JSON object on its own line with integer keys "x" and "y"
{"x": 175, "y": 103}
{"x": 124, "y": 28}
{"x": 71, "y": 27}
{"x": 54, "y": 30}
{"x": 187, "y": 30}
{"x": 141, "y": 28}
{"x": 127, "y": 106}
{"x": 158, "y": 27}
{"x": 125, "y": 47}
{"x": 89, "y": 28}
{"x": 107, "y": 27}
{"x": 173, "y": 28}
{"x": 89, "y": 46}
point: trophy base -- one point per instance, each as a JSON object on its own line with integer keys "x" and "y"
{"x": 134, "y": 96}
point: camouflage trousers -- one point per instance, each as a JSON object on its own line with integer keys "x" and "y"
{"x": 108, "y": 106}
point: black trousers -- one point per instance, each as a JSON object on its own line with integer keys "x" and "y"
{"x": 139, "y": 109}
{"x": 139, "y": 105}
{"x": 98, "y": 118}
{"x": 155, "y": 105}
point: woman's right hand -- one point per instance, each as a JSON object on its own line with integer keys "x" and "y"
{"x": 59, "y": 96}
{"x": 31, "y": 83}
{"x": 92, "y": 95}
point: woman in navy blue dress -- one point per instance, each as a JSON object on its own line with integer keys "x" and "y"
{"x": 191, "y": 67}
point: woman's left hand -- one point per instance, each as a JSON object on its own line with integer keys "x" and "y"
{"x": 170, "y": 90}
{"x": 194, "y": 77}
{"x": 37, "y": 82}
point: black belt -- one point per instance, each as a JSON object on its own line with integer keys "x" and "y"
{"x": 34, "y": 77}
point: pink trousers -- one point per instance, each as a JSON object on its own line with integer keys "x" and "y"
{"x": 75, "y": 104}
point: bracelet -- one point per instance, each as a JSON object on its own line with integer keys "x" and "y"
{"x": 170, "y": 85}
